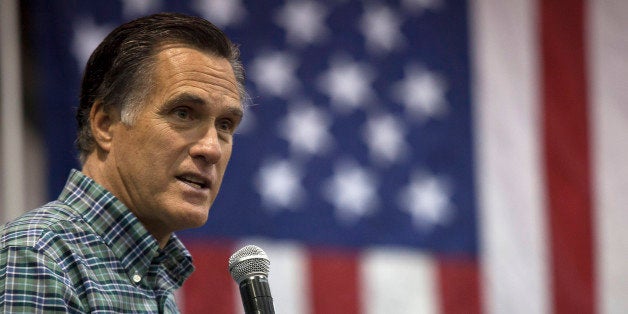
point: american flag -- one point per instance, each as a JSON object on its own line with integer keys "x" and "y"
{"x": 402, "y": 156}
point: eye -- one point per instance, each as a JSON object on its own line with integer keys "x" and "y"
{"x": 182, "y": 113}
{"x": 225, "y": 125}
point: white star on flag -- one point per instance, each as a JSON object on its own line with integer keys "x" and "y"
{"x": 279, "y": 184}
{"x": 352, "y": 191}
{"x": 221, "y": 12}
{"x": 274, "y": 73}
{"x": 381, "y": 27}
{"x": 136, "y": 8}
{"x": 422, "y": 93}
{"x": 303, "y": 22}
{"x": 418, "y": 6}
{"x": 306, "y": 128}
{"x": 427, "y": 199}
{"x": 347, "y": 83}
{"x": 384, "y": 136}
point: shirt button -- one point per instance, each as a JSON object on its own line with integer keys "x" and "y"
{"x": 136, "y": 278}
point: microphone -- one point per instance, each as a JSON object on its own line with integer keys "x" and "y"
{"x": 249, "y": 267}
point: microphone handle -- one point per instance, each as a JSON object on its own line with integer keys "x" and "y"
{"x": 255, "y": 293}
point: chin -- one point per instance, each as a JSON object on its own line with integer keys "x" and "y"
{"x": 194, "y": 217}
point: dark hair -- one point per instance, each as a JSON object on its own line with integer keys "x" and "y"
{"x": 119, "y": 71}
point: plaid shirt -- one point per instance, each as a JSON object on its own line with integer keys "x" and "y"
{"x": 86, "y": 252}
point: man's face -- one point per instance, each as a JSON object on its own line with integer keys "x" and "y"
{"x": 170, "y": 162}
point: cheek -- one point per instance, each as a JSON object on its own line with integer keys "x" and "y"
{"x": 161, "y": 142}
{"x": 151, "y": 151}
{"x": 226, "y": 155}
{"x": 224, "y": 162}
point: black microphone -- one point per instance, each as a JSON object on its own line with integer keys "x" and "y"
{"x": 249, "y": 267}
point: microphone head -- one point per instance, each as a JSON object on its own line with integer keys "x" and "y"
{"x": 248, "y": 261}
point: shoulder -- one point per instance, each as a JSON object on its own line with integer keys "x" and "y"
{"x": 54, "y": 217}
{"x": 54, "y": 234}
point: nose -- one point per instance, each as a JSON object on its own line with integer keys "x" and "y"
{"x": 207, "y": 147}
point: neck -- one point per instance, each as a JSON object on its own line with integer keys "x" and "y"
{"x": 95, "y": 169}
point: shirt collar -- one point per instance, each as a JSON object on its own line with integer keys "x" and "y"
{"x": 125, "y": 235}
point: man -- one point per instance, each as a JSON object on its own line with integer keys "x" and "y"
{"x": 161, "y": 98}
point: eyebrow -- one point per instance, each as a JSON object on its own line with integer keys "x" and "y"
{"x": 191, "y": 99}
{"x": 185, "y": 98}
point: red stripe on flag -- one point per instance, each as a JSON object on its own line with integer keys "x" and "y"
{"x": 210, "y": 288}
{"x": 459, "y": 285}
{"x": 566, "y": 152}
{"x": 334, "y": 278}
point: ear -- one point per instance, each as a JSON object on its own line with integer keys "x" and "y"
{"x": 102, "y": 121}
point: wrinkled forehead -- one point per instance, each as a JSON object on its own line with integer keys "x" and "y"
{"x": 179, "y": 65}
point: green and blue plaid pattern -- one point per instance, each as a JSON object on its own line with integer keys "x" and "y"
{"x": 86, "y": 252}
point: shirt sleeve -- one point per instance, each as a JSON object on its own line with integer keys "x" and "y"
{"x": 33, "y": 282}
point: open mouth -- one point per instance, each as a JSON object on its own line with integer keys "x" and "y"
{"x": 194, "y": 181}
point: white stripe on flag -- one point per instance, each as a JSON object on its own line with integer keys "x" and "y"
{"x": 398, "y": 281}
{"x": 609, "y": 75}
{"x": 288, "y": 277}
{"x": 511, "y": 208}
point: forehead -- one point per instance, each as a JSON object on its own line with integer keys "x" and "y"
{"x": 180, "y": 68}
